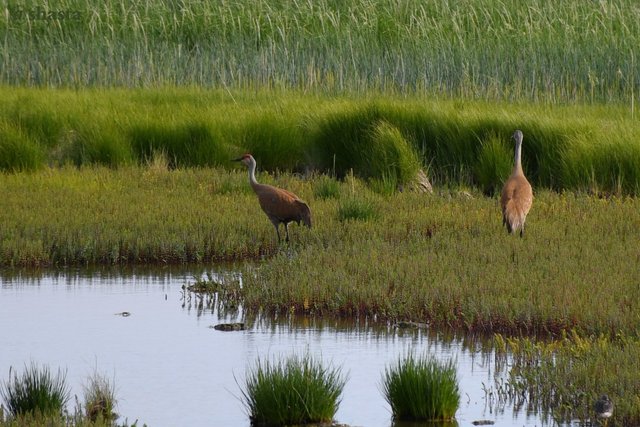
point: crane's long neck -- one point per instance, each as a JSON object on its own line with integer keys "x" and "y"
{"x": 517, "y": 163}
{"x": 252, "y": 175}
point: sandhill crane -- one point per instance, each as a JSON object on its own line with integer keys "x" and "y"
{"x": 603, "y": 407}
{"x": 517, "y": 195}
{"x": 281, "y": 206}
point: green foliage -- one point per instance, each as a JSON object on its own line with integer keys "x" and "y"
{"x": 564, "y": 377}
{"x": 421, "y": 389}
{"x": 494, "y": 165}
{"x": 382, "y": 141}
{"x": 326, "y": 187}
{"x": 184, "y": 145}
{"x": 356, "y": 208}
{"x": 298, "y": 390}
{"x": 18, "y": 152}
{"x": 489, "y": 49}
{"x": 35, "y": 392}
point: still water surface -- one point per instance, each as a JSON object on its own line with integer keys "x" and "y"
{"x": 171, "y": 368}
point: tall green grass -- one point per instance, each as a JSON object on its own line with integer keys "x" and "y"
{"x": 36, "y": 392}
{"x": 421, "y": 388}
{"x": 298, "y": 390}
{"x": 542, "y": 50}
{"x": 383, "y": 140}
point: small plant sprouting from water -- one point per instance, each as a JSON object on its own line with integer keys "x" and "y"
{"x": 297, "y": 390}
{"x": 35, "y": 392}
{"x": 421, "y": 389}
{"x": 99, "y": 399}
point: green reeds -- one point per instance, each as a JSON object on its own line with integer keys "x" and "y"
{"x": 421, "y": 388}
{"x": 297, "y": 390}
{"x": 35, "y": 392}
{"x": 489, "y": 49}
{"x": 383, "y": 141}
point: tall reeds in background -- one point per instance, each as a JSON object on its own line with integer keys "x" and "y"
{"x": 542, "y": 51}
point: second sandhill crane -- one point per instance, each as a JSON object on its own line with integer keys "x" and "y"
{"x": 281, "y": 206}
{"x": 517, "y": 195}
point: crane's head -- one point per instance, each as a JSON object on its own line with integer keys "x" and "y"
{"x": 305, "y": 213}
{"x": 246, "y": 159}
{"x": 517, "y": 136}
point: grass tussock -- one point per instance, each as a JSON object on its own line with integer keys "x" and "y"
{"x": 36, "y": 392}
{"x": 421, "y": 388}
{"x": 297, "y": 390}
{"x": 99, "y": 399}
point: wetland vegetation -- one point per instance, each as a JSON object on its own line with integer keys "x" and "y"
{"x": 120, "y": 155}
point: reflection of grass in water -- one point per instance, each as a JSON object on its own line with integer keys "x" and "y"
{"x": 420, "y": 388}
{"x": 564, "y": 377}
{"x": 297, "y": 390}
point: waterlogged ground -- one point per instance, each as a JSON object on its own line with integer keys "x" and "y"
{"x": 171, "y": 368}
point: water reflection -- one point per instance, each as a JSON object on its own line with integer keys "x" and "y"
{"x": 171, "y": 368}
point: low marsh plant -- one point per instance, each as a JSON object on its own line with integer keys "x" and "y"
{"x": 295, "y": 390}
{"x": 326, "y": 187}
{"x": 421, "y": 388}
{"x": 36, "y": 391}
{"x": 99, "y": 399}
{"x": 357, "y": 208}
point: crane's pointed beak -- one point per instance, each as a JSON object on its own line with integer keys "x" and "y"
{"x": 236, "y": 160}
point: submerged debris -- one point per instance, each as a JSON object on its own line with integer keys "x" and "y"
{"x": 239, "y": 326}
{"x": 123, "y": 314}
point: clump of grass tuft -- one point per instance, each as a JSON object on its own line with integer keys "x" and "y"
{"x": 326, "y": 188}
{"x": 355, "y": 208}
{"x": 99, "y": 399}
{"x": 493, "y": 166}
{"x": 35, "y": 392}
{"x": 18, "y": 152}
{"x": 297, "y": 390}
{"x": 421, "y": 389}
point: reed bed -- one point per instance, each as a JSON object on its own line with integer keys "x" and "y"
{"x": 542, "y": 50}
{"x": 383, "y": 140}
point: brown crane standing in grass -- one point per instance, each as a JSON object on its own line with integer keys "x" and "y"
{"x": 281, "y": 206}
{"x": 517, "y": 195}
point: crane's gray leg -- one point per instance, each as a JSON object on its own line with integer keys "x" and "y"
{"x": 522, "y": 230}
{"x": 275, "y": 225}
{"x": 286, "y": 228}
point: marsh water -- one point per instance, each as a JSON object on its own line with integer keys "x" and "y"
{"x": 171, "y": 368}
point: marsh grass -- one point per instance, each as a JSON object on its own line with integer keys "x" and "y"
{"x": 99, "y": 399}
{"x": 384, "y": 141}
{"x": 292, "y": 391}
{"x": 490, "y": 49}
{"x": 421, "y": 388}
{"x": 357, "y": 208}
{"x": 564, "y": 377}
{"x": 35, "y": 392}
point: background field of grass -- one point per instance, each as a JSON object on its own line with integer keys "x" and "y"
{"x": 541, "y": 50}
{"x": 382, "y": 139}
